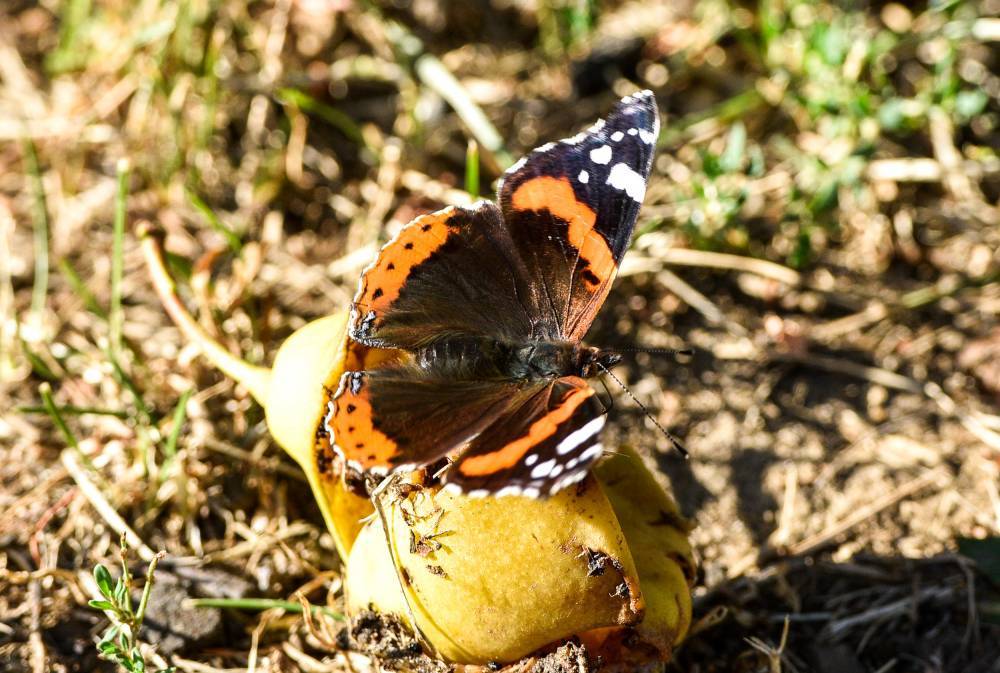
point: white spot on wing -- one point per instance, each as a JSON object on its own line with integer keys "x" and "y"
{"x": 583, "y": 177}
{"x": 647, "y": 137}
{"x": 623, "y": 178}
{"x": 592, "y": 453}
{"x": 617, "y": 135}
{"x": 543, "y": 469}
{"x": 633, "y": 131}
{"x": 579, "y": 436}
{"x": 531, "y": 459}
{"x": 601, "y": 155}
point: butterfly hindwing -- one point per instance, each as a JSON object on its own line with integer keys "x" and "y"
{"x": 403, "y": 418}
{"x": 538, "y": 446}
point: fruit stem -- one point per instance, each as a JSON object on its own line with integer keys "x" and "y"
{"x": 254, "y": 378}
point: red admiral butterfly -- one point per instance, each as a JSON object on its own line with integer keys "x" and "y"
{"x": 491, "y": 303}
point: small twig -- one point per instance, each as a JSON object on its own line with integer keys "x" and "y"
{"x": 895, "y": 609}
{"x": 436, "y": 76}
{"x": 986, "y": 29}
{"x": 831, "y": 533}
{"x": 272, "y": 464}
{"x": 784, "y": 532}
{"x": 773, "y": 654}
{"x": 255, "y": 379}
{"x": 93, "y": 494}
{"x": 698, "y": 302}
{"x": 659, "y": 246}
{"x": 39, "y": 657}
{"x": 322, "y": 635}
{"x": 873, "y": 374}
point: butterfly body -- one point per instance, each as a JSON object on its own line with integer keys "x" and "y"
{"x": 483, "y": 358}
{"x": 489, "y": 305}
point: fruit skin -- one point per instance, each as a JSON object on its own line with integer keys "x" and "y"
{"x": 494, "y": 579}
{"x": 657, "y": 536}
{"x": 308, "y": 364}
{"x": 497, "y": 579}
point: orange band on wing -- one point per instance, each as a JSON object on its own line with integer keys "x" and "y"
{"x": 556, "y": 196}
{"x": 540, "y": 430}
{"x": 354, "y": 433}
{"x": 415, "y": 243}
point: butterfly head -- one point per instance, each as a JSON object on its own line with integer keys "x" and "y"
{"x": 595, "y": 360}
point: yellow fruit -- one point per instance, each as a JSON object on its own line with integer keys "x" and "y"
{"x": 496, "y": 579}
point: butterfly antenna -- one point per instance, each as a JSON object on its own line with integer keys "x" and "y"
{"x": 658, "y": 351}
{"x": 666, "y": 433}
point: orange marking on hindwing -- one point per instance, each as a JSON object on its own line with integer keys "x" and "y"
{"x": 556, "y": 196}
{"x": 382, "y": 281}
{"x": 354, "y": 433}
{"x": 540, "y": 430}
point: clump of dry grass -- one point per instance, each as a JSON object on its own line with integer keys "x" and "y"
{"x": 821, "y": 228}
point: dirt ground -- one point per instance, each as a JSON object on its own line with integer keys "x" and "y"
{"x": 822, "y": 230}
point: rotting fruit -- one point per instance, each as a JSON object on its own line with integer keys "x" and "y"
{"x": 480, "y": 580}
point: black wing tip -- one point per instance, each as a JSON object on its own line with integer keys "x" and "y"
{"x": 639, "y": 103}
{"x": 642, "y": 96}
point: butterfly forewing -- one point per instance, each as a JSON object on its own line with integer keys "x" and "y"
{"x": 571, "y": 208}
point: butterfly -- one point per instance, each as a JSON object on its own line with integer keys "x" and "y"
{"x": 490, "y": 305}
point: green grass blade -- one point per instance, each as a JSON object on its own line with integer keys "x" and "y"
{"x": 72, "y": 411}
{"x": 472, "y": 169}
{"x": 327, "y": 113}
{"x": 261, "y": 604}
{"x": 45, "y": 390}
{"x": 170, "y": 446}
{"x": 81, "y": 289}
{"x": 232, "y": 240}
{"x": 40, "y": 216}
{"x": 116, "y": 319}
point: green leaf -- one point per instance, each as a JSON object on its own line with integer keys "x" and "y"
{"x": 103, "y": 578}
{"x": 107, "y": 648}
{"x": 711, "y": 165}
{"x": 968, "y": 104}
{"x": 101, "y": 605}
{"x": 120, "y": 595}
